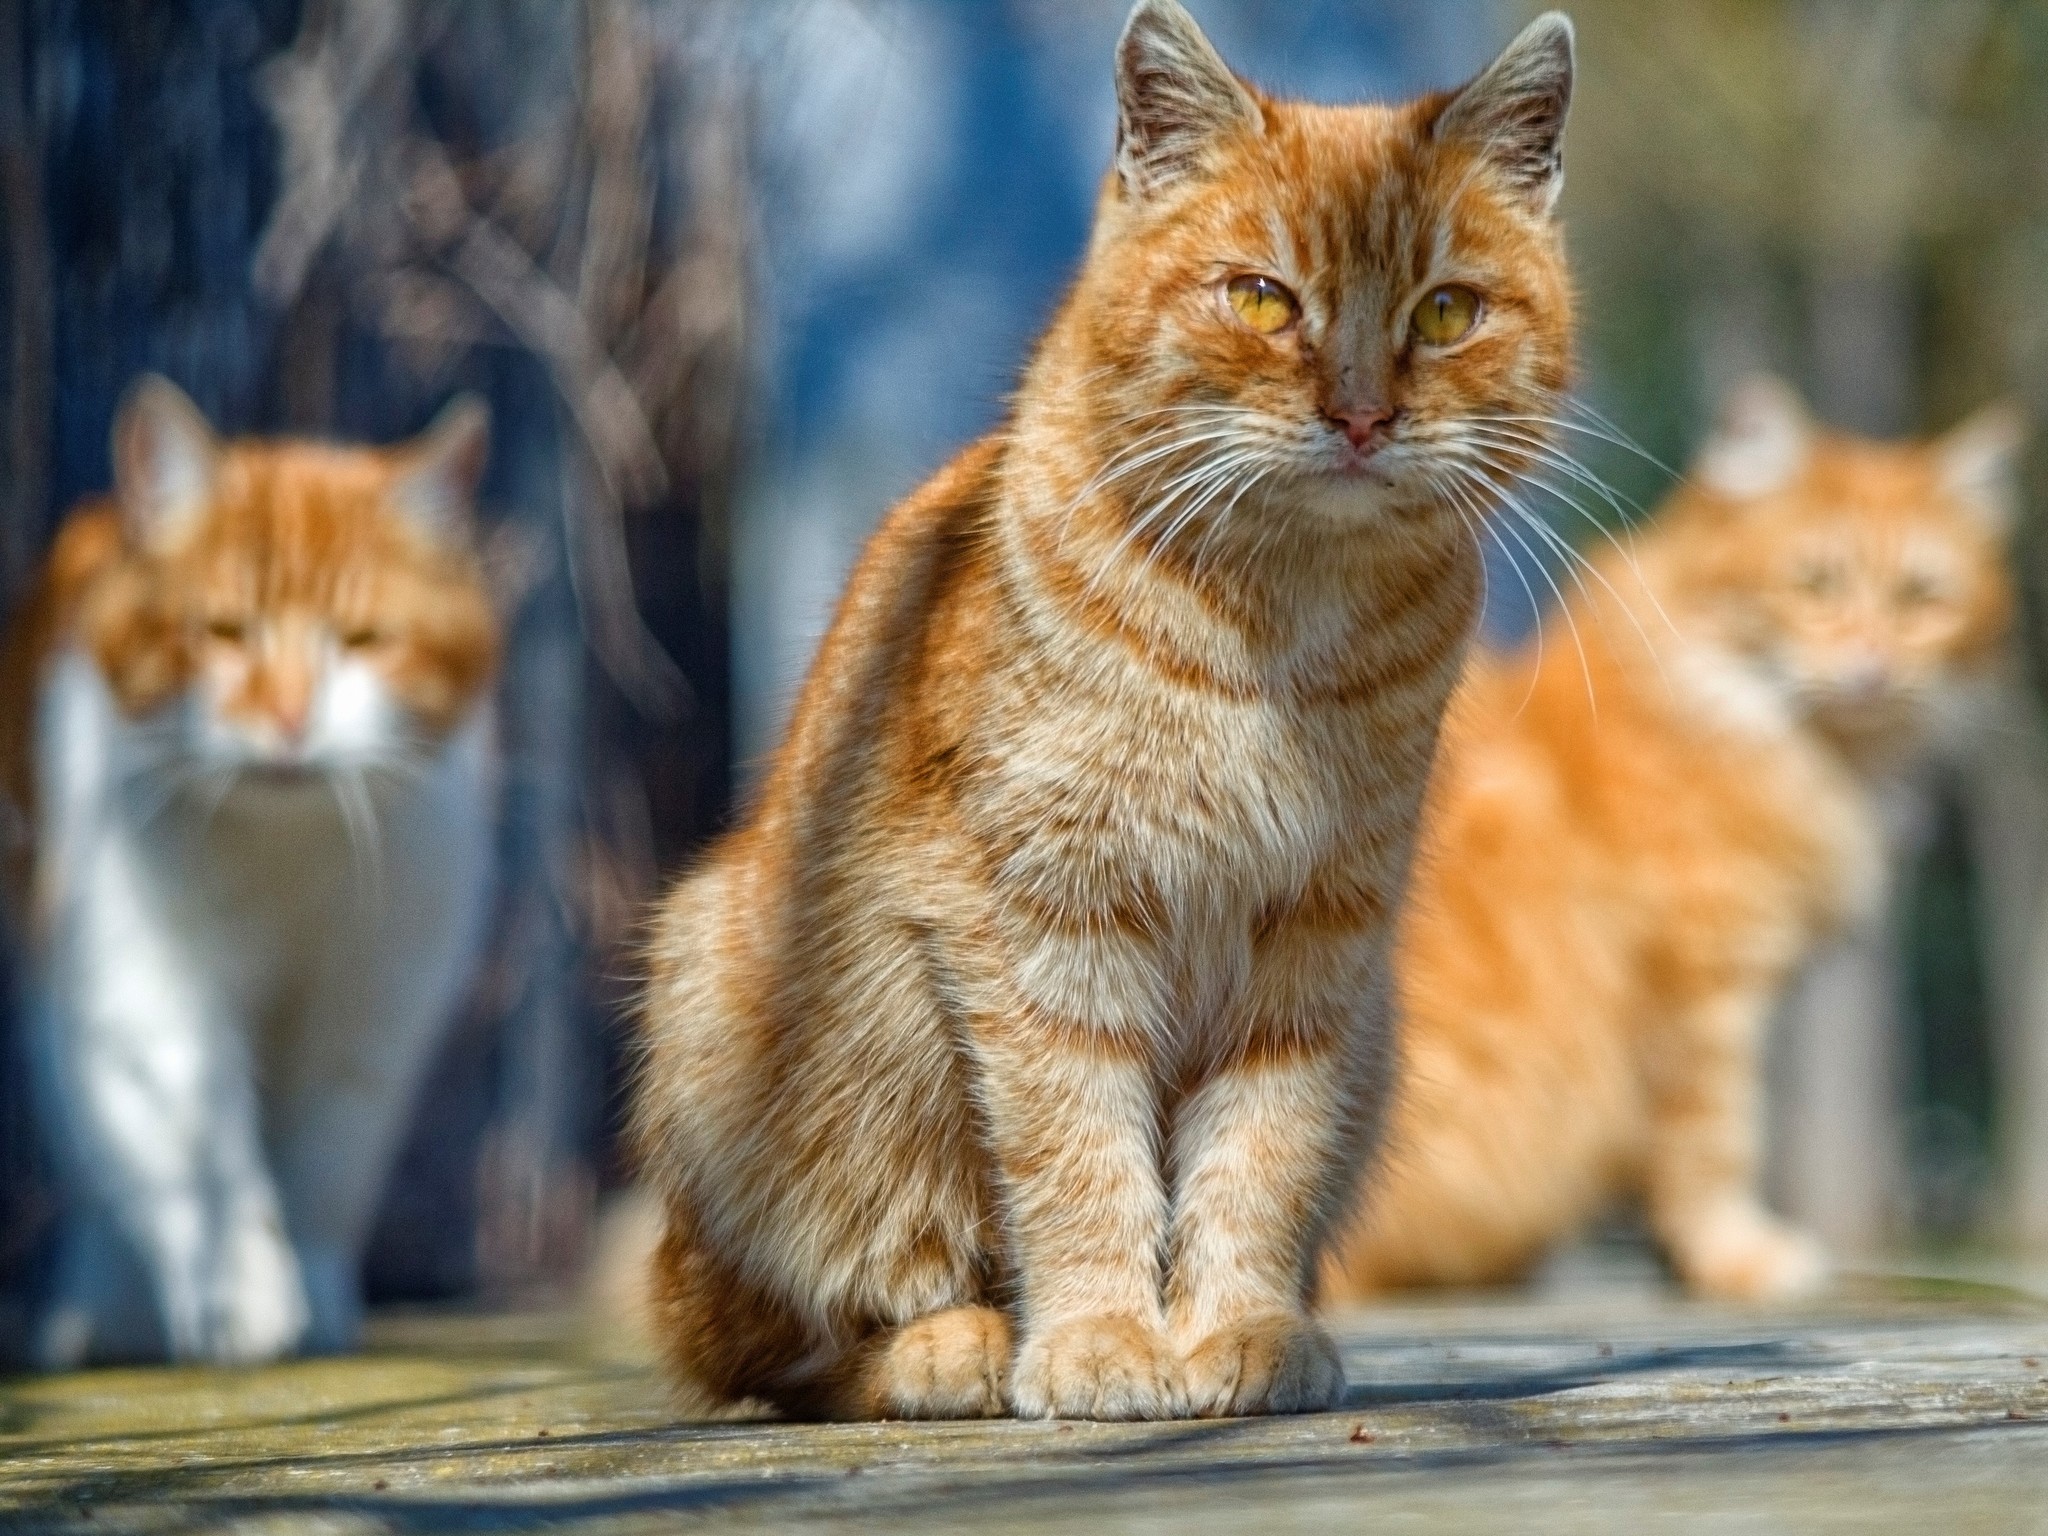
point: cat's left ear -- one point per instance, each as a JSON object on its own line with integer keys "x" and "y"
{"x": 165, "y": 461}
{"x": 1761, "y": 443}
{"x": 443, "y": 467}
{"x": 1980, "y": 462}
{"x": 1175, "y": 98}
{"x": 1513, "y": 112}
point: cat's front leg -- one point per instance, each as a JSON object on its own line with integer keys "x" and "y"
{"x": 1261, "y": 1148}
{"x": 1069, "y": 1084}
{"x": 1702, "y": 1071}
{"x": 160, "y": 1112}
{"x": 1253, "y": 1149}
{"x": 257, "y": 1307}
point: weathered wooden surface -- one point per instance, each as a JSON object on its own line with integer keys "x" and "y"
{"x": 1892, "y": 1406}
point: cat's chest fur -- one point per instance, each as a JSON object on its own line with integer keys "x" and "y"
{"x": 1208, "y": 776}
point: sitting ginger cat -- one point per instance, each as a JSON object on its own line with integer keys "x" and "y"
{"x": 1018, "y": 1050}
{"x": 1622, "y": 866}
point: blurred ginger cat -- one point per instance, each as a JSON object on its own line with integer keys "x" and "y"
{"x": 248, "y": 714}
{"x": 1612, "y": 891}
{"x": 1043, "y": 990}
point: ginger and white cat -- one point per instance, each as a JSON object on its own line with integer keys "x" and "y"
{"x": 248, "y": 715}
{"x": 1624, "y": 859}
{"x": 1021, "y": 1048}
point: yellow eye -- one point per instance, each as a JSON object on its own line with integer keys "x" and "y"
{"x": 1262, "y": 304}
{"x": 1446, "y": 314}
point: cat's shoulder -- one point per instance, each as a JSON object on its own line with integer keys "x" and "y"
{"x": 88, "y": 544}
{"x": 917, "y": 539}
{"x": 953, "y": 503}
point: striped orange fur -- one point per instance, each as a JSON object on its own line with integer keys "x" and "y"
{"x": 1623, "y": 863}
{"x": 1019, "y": 1050}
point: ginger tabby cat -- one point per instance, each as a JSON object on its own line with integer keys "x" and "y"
{"x": 248, "y": 716}
{"x": 1613, "y": 890}
{"x": 1020, "y": 1049}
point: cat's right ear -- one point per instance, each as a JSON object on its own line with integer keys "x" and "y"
{"x": 1761, "y": 442}
{"x": 444, "y": 466}
{"x": 1175, "y": 98}
{"x": 1979, "y": 461}
{"x": 165, "y": 459}
{"x": 1513, "y": 112}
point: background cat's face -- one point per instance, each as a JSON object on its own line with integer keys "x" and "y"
{"x": 1369, "y": 303}
{"x": 296, "y": 608}
{"x": 1859, "y": 577}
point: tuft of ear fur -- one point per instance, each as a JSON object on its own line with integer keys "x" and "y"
{"x": 1175, "y": 97}
{"x": 1761, "y": 442}
{"x": 1980, "y": 462}
{"x": 1514, "y": 110}
{"x": 165, "y": 458}
{"x": 443, "y": 468}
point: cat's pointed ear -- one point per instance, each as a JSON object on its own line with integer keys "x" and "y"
{"x": 1175, "y": 98}
{"x": 1514, "y": 110}
{"x": 443, "y": 466}
{"x": 1761, "y": 442}
{"x": 1979, "y": 459}
{"x": 165, "y": 460}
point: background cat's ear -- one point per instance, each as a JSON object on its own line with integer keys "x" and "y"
{"x": 443, "y": 467}
{"x": 1514, "y": 110}
{"x": 1174, "y": 98}
{"x": 1760, "y": 443}
{"x": 165, "y": 458}
{"x": 1980, "y": 462}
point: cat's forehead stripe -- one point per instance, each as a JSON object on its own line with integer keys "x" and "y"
{"x": 309, "y": 528}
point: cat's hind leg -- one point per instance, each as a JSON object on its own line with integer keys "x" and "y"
{"x": 730, "y": 1341}
{"x": 953, "y": 1364}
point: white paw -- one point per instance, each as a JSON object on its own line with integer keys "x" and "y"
{"x": 1099, "y": 1368}
{"x": 256, "y": 1309}
{"x": 1743, "y": 1253}
{"x": 1277, "y": 1363}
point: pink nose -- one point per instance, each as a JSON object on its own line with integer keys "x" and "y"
{"x": 1361, "y": 423}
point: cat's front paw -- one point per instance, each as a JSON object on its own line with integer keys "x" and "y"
{"x": 1743, "y": 1253}
{"x": 257, "y": 1310}
{"x": 1099, "y": 1368}
{"x": 949, "y": 1365}
{"x": 1276, "y": 1363}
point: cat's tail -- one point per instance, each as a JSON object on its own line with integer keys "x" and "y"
{"x": 615, "y": 1321}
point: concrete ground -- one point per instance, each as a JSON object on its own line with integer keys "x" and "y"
{"x": 1893, "y": 1405}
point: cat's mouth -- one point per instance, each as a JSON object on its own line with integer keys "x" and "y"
{"x": 1363, "y": 461}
